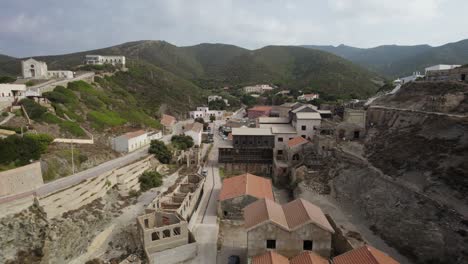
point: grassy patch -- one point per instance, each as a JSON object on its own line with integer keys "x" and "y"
{"x": 105, "y": 118}
{"x": 72, "y": 128}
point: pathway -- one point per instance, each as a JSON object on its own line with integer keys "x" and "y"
{"x": 4, "y": 121}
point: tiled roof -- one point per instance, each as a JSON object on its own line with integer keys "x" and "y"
{"x": 168, "y": 120}
{"x": 134, "y": 134}
{"x": 308, "y": 258}
{"x": 197, "y": 127}
{"x": 297, "y": 141}
{"x": 270, "y": 257}
{"x": 260, "y": 108}
{"x": 308, "y": 115}
{"x": 246, "y": 184}
{"x": 289, "y": 216}
{"x": 364, "y": 255}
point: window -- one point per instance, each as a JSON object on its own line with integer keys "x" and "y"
{"x": 166, "y": 233}
{"x": 303, "y": 136}
{"x": 308, "y": 245}
{"x": 155, "y": 236}
{"x": 280, "y": 139}
{"x": 271, "y": 244}
{"x": 280, "y": 152}
{"x": 303, "y": 128}
{"x": 176, "y": 231}
{"x": 146, "y": 223}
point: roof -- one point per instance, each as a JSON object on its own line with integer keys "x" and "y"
{"x": 297, "y": 141}
{"x": 270, "y": 257}
{"x": 246, "y": 184}
{"x": 364, "y": 255}
{"x": 282, "y": 129}
{"x": 262, "y": 108}
{"x": 308, "y": 115}
{"x": 273, "y": 120}
{"x": 135, "y": 134}
{"x": 197, "y": 127}
{"x": 289, "y": 216}
{"x": 308, "y": 258}
{"x": 300, "y": 108}
{"x": 247, "y": 131}
{"x": 168, "y": 120}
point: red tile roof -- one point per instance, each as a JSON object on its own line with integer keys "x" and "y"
{"x": 364, "y": 255}
{"x": 168, "y": 120}
{"x": 289, "y": 216}
{"x": 297, "y": 141}
{"x": 246, "y": 184}
{"x": 270, "y": 257}
{"x": 134, "y": 134}
{"x": 262, "y": 108}
{"x": 308, "y": 257}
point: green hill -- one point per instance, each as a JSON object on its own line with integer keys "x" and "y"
{"x": 396, "y": 61}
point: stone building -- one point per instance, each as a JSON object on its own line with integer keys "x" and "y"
{"x": 364, "y": 255}
{"x": 33, "y": 69}
{"x": 10, "y": 93}
{"x": 293, "y": 154}
{"x": 289, "y": 229}
{"x": 258, "y": 111}
{"x": 168, "y": 123}
{"x": 353, "y": 125}
{"x": 100, "y": 60}
{"x": 60, "y": 74}
{"x": 459, "y": 73}
{"x": 239, "y": 191}
{"x": 271, "y": 257}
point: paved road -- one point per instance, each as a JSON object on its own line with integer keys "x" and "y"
{"x": 417, "y": 111}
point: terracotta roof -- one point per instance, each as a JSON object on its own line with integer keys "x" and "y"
{"x": 246, "y": 184}
{"x": 271, "y": 257}
{"x": 260, "y": 108}
{"x": 230, "y": 136}
{"x": 364, "y": 255}
{"x": 168, "y": 120}
{"x": 197, "y": 127}
{"x": 134, "y": 134}
{"x": 289, "y": 216}
{"x": 296, "y": 141}
{"x": 308, "y": 257}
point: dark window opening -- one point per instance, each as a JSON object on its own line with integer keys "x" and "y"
{"x": 166, "y": 233}
{"x": 154, "y": 236}
{"x": 176, "y": 231}
{"x": 463, "y": 77}
{"x": 280, "y": 152}
{"x": 303, "y": 136}
{"x": 271, "y": 244}
{"x": 225, "y": 213}
{"x": 146, "y": 223}
{"x": 308, "y": 245}
{"x": 280, "y": 139}
{"x": 303, "y": 128}
{"x": 356, "y": 134}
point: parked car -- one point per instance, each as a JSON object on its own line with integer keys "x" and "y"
{"x": 234, "y": 260}
{"x": 204, "y": 172}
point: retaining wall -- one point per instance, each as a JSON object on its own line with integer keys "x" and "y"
{"x": 20, "y": 180}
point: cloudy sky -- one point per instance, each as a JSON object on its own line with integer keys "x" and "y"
{"x": 40, "y": 27}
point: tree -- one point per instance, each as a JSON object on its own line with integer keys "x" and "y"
{"x": 150, "y": 179}
{"x": 160, "y": 151}
{"x": 7, "y": 79}
{"x": 248, "y": 100}
{"x": 217, "y": 104}
{"x": 182, "y": 142}
{"x": 212, "y": 118}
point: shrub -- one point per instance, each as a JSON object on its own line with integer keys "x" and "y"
{"x": 21, "y": 150}
{"x": 182, "y": 142}
{"x": 33, "y": 109}
{"x": 105, "y": 118}
{"x": 7, "y": 79}
{"x": 217, "y": 105}
{"x": 72, "y": 128}
{"x": 50, "y": 118}
{"x": 29, "y": 83}
{"x": 43, "y": 140}
{"x": 160, "y": 151}
{"x": 5, "y": 114}
{"x": 150, "y": 179}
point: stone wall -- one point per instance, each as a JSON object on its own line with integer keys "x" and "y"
{"x": 233, "y": 208}
{"x": 253, "y": 168}
{"x": 20, "y": 180}
{"x": 175, "y": 255}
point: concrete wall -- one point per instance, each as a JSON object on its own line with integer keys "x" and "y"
{"x": 253, "y": 168}
{"x": 14, "y": 206}
{"x": 74, "y": 141}
{"x": 288, "y": 244}
{"x": 233, "y": 208}
{"x": 174, "y": 255}
{"x": 22, "y": 179}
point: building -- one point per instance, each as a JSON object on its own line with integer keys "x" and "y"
{"x": 259, "y": 88}
{"x": 195, "y": 131}
{"x": 251, "y": 150}
{"x": 12, "y": 92}
{"x": 165, "y": 237}
{"x": 100, "y": 60}
{"x": 205, "y": 113}
{"x": 440, "y": 67}
{"x": 452, "y": 74}
{"x": 168, "y": 123}
{"x": 239, "y": 191}
{"x": 364, "y": 255}
{"x": 288, "y": 229}
{"x": 271, "y": 257}
{"x": 407, "y": 79}
{"x": 33, "y": 69}
{"x": 217, "y": 97}
{"x": 353, "y": 125}
{"x": 134, "y": 140}
{"x": 258, "y": 111}
{"x": 308, "y": 97}
{"x": 60, "y": 75}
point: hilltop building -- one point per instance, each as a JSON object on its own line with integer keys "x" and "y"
{"x": 239, "y": 191}
{"x": 217, "y": 97}
{"x": 33, "y": 69}
{"x": 308, "y": 97}
{"x": 12, "y": 92}
{"x": 407, "y": 79}
{"x": 259, "y": 88}
{"x": 288, "y": 229}
{"x": 60, "y": 75}
{"x": 195, "y": 132}
{"x": 205, "y": 112}
{"x": 353, "y": 125}
{"x": 100, "y": 60}
{"x": 440, "y": 67}
{"x": 448, "y": 73}
{"x": 132, "y": 141}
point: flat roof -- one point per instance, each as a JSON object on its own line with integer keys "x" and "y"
{"x": 247, "y": 131}
{"x": 273, "y": 120}
{"x": 280, "y": 128}
{"x": 308, "y": 115}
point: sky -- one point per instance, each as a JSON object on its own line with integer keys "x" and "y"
{"x": 46, "y": 27}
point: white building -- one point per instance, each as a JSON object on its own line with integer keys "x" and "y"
{"x": 11, "y": 92}
{"x": 408, "y": 79}
{"x": 217, "y": 97}
{"x": 441, "y": 67}
{"x": 99, "y": 60}
{"x": 308, "y": 97}
{"x": 205, "y": 112}
{"x": 134, "y": 140}
{"x": 60, "y": 75}
{"x": 195, "y": 131}
{"x": 259, "y": 88}
{"x": 33, "y": 69}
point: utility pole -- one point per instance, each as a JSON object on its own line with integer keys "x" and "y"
{"x": 72, "y": 159}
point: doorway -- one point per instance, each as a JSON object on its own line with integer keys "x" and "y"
{"x": 356, "y": 134}
{"x": 463, "y": 77}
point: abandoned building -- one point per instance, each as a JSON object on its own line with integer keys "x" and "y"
{"x": 239, "y": 191}
{"x": 289, "y": 229}
{"x": 447, "y": 73}
{"x": 353, "y": 126}
{"x": 33, "y": 69}
{"x": 161, "y": 232}
{"x": 271, "y": 257}
{"x": 251, "y": 150}
{"x": 365, "y": 254}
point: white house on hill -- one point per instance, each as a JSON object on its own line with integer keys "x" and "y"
{"x": 100, "y": 60}
{"x": 134, "y": 140}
